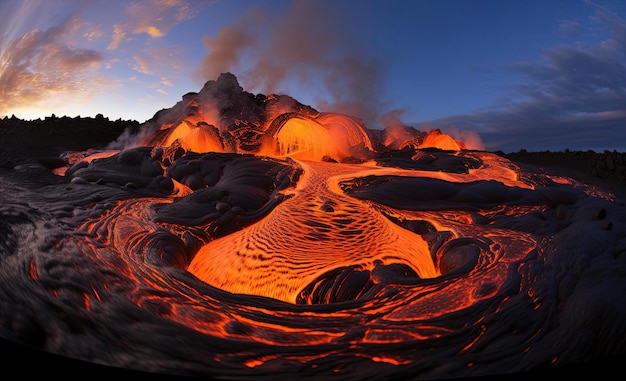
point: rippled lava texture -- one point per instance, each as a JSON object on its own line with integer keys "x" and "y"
{"x": 413, "y": 263}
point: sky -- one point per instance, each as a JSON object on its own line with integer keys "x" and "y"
{"x": 499, "y": 75}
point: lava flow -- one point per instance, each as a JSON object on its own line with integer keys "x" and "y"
{"x": 241, "y": 236}
{"x": 312, "y": 233}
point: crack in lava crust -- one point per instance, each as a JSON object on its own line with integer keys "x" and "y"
{"x": 313, "y": 232}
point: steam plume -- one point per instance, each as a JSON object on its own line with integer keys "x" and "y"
{"x": 306, "y": 48}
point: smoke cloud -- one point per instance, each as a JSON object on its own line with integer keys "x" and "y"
{"x": 471, "y": 139}
{"x": 306, "y": 50}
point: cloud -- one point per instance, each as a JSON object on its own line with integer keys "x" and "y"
{"x": 154, "y": 18}
{"x": 307, "y": 47}
{"x": 40, "y": 63}
{"x": 595, "y": 116}
{"x": 574, "y": 98}
{"x": 146, "y": 21}
{"x": 569, "y": 27}
{"x": 150, "y": 30}
{"x": 119, "y": 33}
{"x": 93, "y": 34}
{"x": 157, "y": 60}
{"x": 141, "y": 66}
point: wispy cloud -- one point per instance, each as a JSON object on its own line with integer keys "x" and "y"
{"x": 142, "y": 25}
{"x": 575, "y": 96}
{"x": 141, "y": 66}
{"x": 157, "y": 61}
{"x": 67, "y": 63}
{"x": 40, "y": 63}
{"x": 95, "y": 33}
{"x": 153, "y": 18}
{"x": 117, "y": 37}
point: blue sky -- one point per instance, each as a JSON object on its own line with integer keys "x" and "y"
{"x": 539, "y": 75}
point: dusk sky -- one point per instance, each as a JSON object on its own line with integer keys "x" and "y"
{"x": 503, "y": 75}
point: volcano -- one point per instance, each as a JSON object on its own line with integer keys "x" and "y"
{"x": 241, "y": 236}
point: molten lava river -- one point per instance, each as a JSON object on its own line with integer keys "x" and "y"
{"x": 428, "y": 264}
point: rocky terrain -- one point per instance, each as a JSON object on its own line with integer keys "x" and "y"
{"x": 43, "y": 141}
{"x": 607, "y": 168}
{"x": 496, "y": 267}
{"x": 241, "y": 119}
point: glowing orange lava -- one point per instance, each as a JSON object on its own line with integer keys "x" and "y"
{"x": 238, "y": 236}
{"x": 316, "y": 230}
{"x": 328, "y": 135}
{"x": 201, "y": 138}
